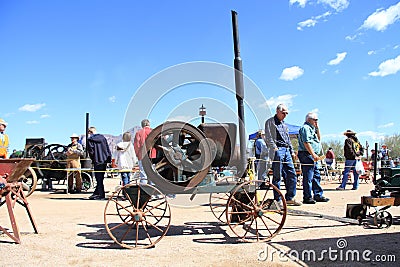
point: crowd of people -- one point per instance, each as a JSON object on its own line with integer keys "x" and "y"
{"x": 280, "y": 157}
{"x": 128, "y": 156}
{"x": 273, "y": 151}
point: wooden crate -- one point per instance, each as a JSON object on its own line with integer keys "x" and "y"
{"x": 377, "y": 201}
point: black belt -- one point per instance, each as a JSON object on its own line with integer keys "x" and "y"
{"x": 286, "y": 146}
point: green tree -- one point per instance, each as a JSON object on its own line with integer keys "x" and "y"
{"x": 392, "y": 143}
{"x": 337, "y": 147}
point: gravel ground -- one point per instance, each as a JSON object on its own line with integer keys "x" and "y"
{"x": 72, "y": 233}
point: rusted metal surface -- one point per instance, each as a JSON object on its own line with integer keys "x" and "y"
{"x": 224, "y": 137}
{"x": 10, "y": 171}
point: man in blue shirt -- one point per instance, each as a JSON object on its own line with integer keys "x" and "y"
{"x": 309, "y": 148}
{"x": 258, "y": 145}
{"x": 282, "y": 153}
{"x": 261, "y": 156}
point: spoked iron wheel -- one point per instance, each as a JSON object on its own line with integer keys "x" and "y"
{"x": 253, "y": 214}
{"x": 383, "y": 219}
{"x": 137, "y": 216}
{"x": 218, "y": 200}
{"x": 29, "y": 181}
{"x": 53, "y": 152}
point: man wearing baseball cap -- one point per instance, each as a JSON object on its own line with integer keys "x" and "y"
{"x": 3, "y": 139}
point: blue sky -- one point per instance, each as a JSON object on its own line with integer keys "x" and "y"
{"x": 61, "y": 59}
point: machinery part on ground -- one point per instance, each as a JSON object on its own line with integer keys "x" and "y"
{"x": 29, "y": 181}
{"x": 357, "y": 212}
{"x": 383, "y": 219}
{"x": 87, "y": 181}
{"x": 253, "y": 214}
{"x": 183, "y": 156}
{"x": 137, "y": 216}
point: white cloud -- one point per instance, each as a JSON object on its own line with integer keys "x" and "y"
{"x": 338, "y": 5}
{"x": 44, "y": 116}
{"x": 302, "y": 3}
{"x": 292, "y": 73}
{"x": 390, "y": 66}
{"x": 112, "y": 99}
{"x": 354, "y": 37}
{"x": 382, "y": 18}
{"x": 31, "y": 107}
{"x": 32, "y": 122}
{"x": 372, "y": 52}
{"x": 275, "y": 101}
{"x": 396, "y": 46}
{"x": 306, "y": 24}
{"x": 313, "y": 21}
{"x": 339, "y": 58}
{"x": 372, "y": 135}
{"x": 387, "y": 125}
{"x": 351, "y": 38}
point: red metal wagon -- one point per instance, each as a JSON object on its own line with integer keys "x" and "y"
{"x": 11, "y": 192}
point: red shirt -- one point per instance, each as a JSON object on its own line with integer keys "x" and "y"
{"x": 330, "y": 154}
{"x": 139, "y": 142}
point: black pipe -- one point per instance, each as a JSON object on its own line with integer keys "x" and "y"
{"x": 239, "y": 84}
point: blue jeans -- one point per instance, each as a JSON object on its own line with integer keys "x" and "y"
{"x": 282, "y": 166}
{"x": 125, "y": 176}
{"x": 350, "y": 164}
{"x": 142, "y": 174}
{"x": 311, "y": 176}
{"x": 262, "y": 168}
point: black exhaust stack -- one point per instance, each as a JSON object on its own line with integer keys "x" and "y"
{"x": 239, "y": 84}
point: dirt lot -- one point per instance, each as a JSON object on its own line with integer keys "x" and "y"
{"x": 72, "y": 233}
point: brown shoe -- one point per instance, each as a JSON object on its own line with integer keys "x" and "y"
{"x": 293, "y": 202}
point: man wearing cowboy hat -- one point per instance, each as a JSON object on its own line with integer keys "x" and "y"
{"x": 74, "y": 153}
{"x": 3, "y": 139}
{"x": 353, "y": 151}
